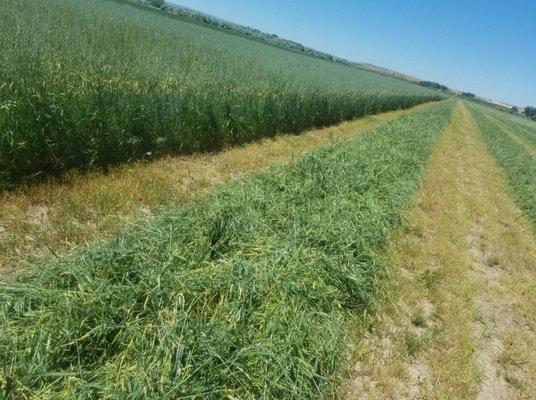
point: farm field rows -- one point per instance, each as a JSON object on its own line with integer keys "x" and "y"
{"x": 243, "y": 295}
{"x": 351, "y": 283}
{"x": 86, "y": 85}
{"x": 523, "y": 127}
{"x": 186, "y": 213}
{"x": 459, "y": 320}
{"x": 517, "y": 158}
{"x": 39, "y": 221}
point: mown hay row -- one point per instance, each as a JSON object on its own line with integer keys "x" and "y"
{"x": 518, "y": 165}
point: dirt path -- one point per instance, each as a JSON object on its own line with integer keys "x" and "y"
{"x": 54, "y": 217}
{"x": 459, "y": 321}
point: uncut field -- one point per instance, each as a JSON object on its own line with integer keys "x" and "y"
{"x": 86, "y": 84}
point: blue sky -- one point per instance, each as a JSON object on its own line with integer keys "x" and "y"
{"x": 485, "y": 47}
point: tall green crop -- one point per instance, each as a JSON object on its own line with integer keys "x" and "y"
{"x": 89, "y": 83}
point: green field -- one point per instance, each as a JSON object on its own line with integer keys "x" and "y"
{"x": 245, "y": 295}
{"x": 87, "y": 84}
{"x": 387, "y": 257}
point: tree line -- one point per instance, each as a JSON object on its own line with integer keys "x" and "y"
{"x": 433, "y": 85}
{"x": 530, "y": 112}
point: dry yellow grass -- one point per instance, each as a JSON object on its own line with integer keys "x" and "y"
{"x": 54, "y": 217}
{"x": 460, "y": 323}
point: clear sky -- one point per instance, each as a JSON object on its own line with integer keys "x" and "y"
{"x": 485, "y": 47}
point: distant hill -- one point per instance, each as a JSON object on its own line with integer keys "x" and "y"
{"x": 387, "y": 72}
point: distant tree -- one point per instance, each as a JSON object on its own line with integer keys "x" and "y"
{"x": 434, "y": 85}
{"x": 530, "y": 112}
{"x": 468, "y": 94}
{"x": 514, "y": 110}
{"x": 157, "y": 3}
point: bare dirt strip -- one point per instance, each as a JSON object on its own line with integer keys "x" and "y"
{"x": 460, "y": 318}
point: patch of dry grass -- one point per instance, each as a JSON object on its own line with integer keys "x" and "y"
{"x": 507, "y": 295}
{"x": 428, "y": 279}
{"x": 54, "y": 217}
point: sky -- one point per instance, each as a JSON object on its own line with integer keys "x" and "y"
{"x": 484, "y": 47}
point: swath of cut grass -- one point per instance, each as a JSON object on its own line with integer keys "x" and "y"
{"x": 524, "y": 127}
{"x": 87, "y": 84}
{"x": 40, "y": 220}
{"x": 518, "y": 165}
{"x": 466, "y": 255}
{"x": 242, "y": 296}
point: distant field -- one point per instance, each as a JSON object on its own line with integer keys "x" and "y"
{"x": 524, "y": 127}
{"x": 85, "y": 84}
